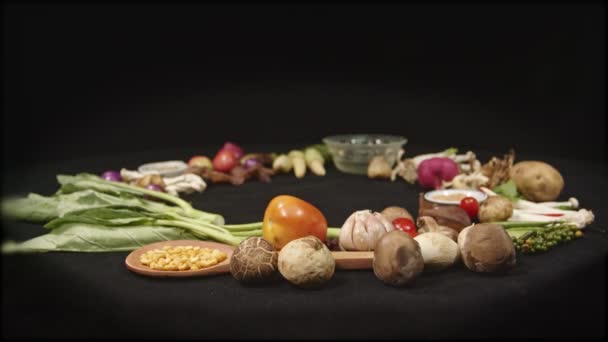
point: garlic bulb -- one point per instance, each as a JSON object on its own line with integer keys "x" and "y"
{"x": 362, "y": 229}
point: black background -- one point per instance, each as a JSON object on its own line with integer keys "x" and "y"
{"x": 86, "y": 80}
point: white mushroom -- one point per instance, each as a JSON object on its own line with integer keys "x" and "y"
{"x": 438, "y": 251}
{"x": 306, "y": 262}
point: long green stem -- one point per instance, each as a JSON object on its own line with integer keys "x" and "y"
{"x": 333, "y": 233}
{"x": 222, "y": 237}
{"x": 513, "y": 224}
{"x": 185, "y": 206}
{"x": 243, "y": 227}
{"x": 198, "y": 222}
{"x": 257, "y": 232}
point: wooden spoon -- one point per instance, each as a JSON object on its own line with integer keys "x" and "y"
{"x": 344, "y": 260}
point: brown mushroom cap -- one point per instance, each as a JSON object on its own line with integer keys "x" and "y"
{"x": 253, "y": 260}
{"x": 397, "y": 258}
{"x": 450, "y": 216}
{"x": 487, "y": 248}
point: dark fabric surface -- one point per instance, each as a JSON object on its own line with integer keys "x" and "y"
{"x": 62, "y": 295}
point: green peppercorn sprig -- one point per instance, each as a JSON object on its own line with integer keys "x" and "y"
{"x": 541, "y": 238}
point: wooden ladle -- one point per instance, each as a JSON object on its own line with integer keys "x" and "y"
{"x": 344, "y": 260}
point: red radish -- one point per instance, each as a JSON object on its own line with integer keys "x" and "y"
{"x": 432, "y": 172}
{"x": 224, "y": 161}
{"x": 234, "y": 148}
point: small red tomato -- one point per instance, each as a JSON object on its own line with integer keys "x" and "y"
{"x": 470, "y": 205}
{"x": 224, "y": 161}
{"x": 405, "y": 225}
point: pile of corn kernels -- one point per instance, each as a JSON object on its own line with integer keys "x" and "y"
{"x": 182, "y": 258}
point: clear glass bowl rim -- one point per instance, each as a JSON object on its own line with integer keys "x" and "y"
{"x": 390, "y": 140}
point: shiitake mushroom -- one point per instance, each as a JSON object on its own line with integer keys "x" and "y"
{"x": 254, "y": 261}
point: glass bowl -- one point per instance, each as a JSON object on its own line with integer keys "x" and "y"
{"x": 352, "y": 153}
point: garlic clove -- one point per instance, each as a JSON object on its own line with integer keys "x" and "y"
{"x": 360, "y": 236}
{"x": 345, "y": 240}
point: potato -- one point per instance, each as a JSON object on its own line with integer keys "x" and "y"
{"x": 494, "y": 209}
{"x": 537, "y": 181}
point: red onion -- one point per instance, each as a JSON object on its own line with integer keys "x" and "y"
{"x": 111, "y": 175}
{"x": 432, "y": 172}
{"x": 155, "y": 187}
{"x": 234, "y": 148}
{"x": 251, "y": 163}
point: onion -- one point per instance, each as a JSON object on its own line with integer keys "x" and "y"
{"x": 155, "y": 187}
{"x": 112, "y": 175}
{"x": 251, "y": 163}
{"x": 432, "y": 172}
{"x": 236, "y": 150}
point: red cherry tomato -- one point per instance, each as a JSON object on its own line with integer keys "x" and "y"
{"x": 224, "y": 161}
{"x": 470, "y": 205}
{"x": 405, "y": 225}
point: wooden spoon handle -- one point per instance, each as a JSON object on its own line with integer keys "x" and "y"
{"x": 353, "y": 260}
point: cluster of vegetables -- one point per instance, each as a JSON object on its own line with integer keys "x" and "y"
{"x": 312, "y": 157}
{"x": 294, "y": 231}
{"x": 90, "y": 214}
{"x": 521, "y": 195}
{"x": 121, "y": 211}
{"x": 231, "y": 165}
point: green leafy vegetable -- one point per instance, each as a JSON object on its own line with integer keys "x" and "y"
{"x": 508, "y": 190}
{"x": 82, "y": 237}
{"x": 33, "y": 208}
{"x": 85, "y": 181}
{"x": 89, "y": 214}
